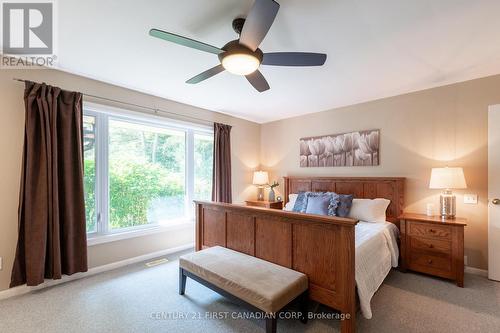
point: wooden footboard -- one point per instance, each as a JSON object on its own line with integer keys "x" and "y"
{"x": 322, "y": 247}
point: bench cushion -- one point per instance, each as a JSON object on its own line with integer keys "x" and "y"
{"x": 267, "y": 286}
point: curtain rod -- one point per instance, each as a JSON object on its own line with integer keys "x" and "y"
{"x": 156, "y": 111}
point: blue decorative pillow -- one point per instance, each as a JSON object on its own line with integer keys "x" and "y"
{"x": 345, "y": 204}
{"x": 318, "y": 204}
{"x": 322, "y": 203}
{"x": 301, "y": 202}
{"x": 334, "y": 204}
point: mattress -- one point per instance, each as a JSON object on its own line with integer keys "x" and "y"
{"x": 376, "y": 253}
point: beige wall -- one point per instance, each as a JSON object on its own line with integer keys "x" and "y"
{"x": 431, "y": 128}
{"x": 245, "y": 151}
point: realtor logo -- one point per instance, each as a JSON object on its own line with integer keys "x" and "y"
{"x": 28, "y": 34}
{"x": 28, "y": 28}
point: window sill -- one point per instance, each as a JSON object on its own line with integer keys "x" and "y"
{"x": 151, "y": 230}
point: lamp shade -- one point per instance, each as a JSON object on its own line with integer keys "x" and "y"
{"x": 260, "y": 178}
{"x": 447, "y": 178}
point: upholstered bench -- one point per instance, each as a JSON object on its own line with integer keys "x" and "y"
{"x": 258, "y": 284}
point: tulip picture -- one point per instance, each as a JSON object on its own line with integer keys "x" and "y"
{"x": 341, "y": 150}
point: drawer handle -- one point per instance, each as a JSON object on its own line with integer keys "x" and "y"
{"x": 432, "y": 230}
{"x": 431, "y": 246}
{"x": 429, "y": 261}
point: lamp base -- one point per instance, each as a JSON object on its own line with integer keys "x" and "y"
{"x": 260, "y": 194}
{"x": 448, "y": 203}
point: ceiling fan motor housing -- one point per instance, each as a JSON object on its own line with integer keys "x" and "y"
{"x": 238, "y": 24}
{"x": 234, "y": 47}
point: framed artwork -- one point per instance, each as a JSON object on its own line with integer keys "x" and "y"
{"x": 339, "y": 150}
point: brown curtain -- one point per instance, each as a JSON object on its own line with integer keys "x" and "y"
{"x": 52, "y": 232}
{"x": 221, "y": 185}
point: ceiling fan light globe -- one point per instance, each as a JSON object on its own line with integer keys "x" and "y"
{"x": 240, "y": 63}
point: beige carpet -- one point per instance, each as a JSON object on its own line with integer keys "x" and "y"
{"x": 141, "y": 299}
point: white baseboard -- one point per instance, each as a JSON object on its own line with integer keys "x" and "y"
{"x": 476, "y": 271}
{"x": 24, "y": 289}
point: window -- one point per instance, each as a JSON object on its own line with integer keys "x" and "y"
{"x": 89, "y": 172}
{"x": 146, "y": 174}
{"x": 142, "y": 171}
{"x": 203, "y": 164}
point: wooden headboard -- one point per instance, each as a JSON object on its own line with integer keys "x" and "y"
{"x": 391, "y": 188}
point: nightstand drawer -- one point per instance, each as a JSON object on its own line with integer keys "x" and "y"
{"x": 421, "y": 260}
{"x": 430, "y": 245}
{"x": 429, "y": 230}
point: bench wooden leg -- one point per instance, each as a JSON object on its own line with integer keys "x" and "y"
{"x": 182, "y": 281}
{"x": 304, "y": 307}
{"x": 271, "y": 324}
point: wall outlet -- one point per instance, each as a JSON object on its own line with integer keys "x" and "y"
{"x": 470, "y": 199}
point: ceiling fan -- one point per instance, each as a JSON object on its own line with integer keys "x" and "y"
{"x": 243, "y": 56}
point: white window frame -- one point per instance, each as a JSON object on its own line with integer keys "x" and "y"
{"x": 103, "y": 114}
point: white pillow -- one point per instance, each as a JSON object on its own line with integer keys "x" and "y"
{"x": 369, "y": 210}
{"x": 291, "y": 202}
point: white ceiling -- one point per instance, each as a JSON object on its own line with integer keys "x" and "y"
{"x": 375, "y": 49}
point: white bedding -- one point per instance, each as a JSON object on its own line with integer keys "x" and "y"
{"x": 376, "y": 252}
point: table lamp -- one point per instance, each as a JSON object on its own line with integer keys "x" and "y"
{"x": 447, "y": 179}
{"x": 260, "y": 179}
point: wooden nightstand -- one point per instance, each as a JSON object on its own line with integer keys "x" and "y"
{"x": 266, "y": 204}
{"x": 432, "y": 245}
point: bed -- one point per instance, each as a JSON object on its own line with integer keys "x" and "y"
{"x": 329, "y": 250}
{"x": 376, "y": 253}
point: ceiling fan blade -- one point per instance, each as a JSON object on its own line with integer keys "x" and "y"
{"x": 258, "y": 81}
{"x": 206, "y": 74}
{"x": 294, "y": 59}
{"x": 194, "y": 44}
{"x": 258, "y": 23}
